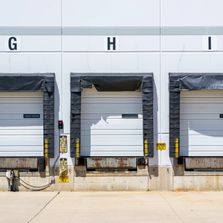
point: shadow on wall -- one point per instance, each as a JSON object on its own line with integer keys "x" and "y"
{"x": 57, "y": 132}
{"x": 112, "y": 135}
{"x": 104, "y": 131}
{"x": 155, "y": 160}
{"x": 196, "y": 132}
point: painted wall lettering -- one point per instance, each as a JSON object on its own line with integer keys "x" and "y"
{"x": 111, "y": 43}
{"x": 209, "y": 43}
{"x": 12, "y": 43}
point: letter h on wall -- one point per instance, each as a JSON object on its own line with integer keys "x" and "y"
{"x": 111, "y": 43}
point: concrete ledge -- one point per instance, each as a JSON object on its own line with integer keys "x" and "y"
{"x": 131, "y": 183}
{"x": 198, "y": 183}
{"x": 203, "y": 173}
{"x": 160, "y": 178}
{"x": 153, "y": 179}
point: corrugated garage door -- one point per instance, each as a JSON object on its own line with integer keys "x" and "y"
{"x": 111, "y": 123}
{"x": 21, "y": 124}
{"x": 201, "y": 127}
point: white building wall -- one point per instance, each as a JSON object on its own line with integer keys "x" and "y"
{"x": 184, "y": 47}
{"x": 137, "y": 25}
{"x": 88, "y": 53}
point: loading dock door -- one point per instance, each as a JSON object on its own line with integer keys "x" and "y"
{"x": 111, "y": 123}
{"x": 201, "y": 123}
{"x": 21, "y": 124}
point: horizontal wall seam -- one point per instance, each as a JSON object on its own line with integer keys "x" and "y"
{"x": 110, "y": 30}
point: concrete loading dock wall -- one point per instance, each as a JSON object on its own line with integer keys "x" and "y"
{"x": 153, "y": 36}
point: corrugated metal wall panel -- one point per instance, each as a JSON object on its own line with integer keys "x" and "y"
{"x": 21, "y": 136}
{"x": 103, "y": 130}
{"x": 201, "y": 127}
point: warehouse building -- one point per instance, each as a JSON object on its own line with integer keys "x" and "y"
{"x": 121, "y": 95}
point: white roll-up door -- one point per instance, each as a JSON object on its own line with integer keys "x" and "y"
{"x": 111, "y": 123}
{"x": 21, "y": 124}
{"x": 201, "y": 123}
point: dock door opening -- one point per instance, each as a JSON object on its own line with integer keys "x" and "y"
{"x": 26, "y": 119}
{"x": 106, "y": 127}
{"x": 111, "y": 115}
{"x": 196, "y": 105}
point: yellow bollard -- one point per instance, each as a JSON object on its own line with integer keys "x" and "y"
{"x": 63, "y": 171}
{"x": 146, "y": 147}
{"x": 177, "y": 148}
{"x": 77, "y": 148}
{"x": 46, "y": 153}
{"x": 63, "y": 144}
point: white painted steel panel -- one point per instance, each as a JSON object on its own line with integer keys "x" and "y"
{"x": 190, "y": 43}
{"x": 30, "y": 13}
{"x": 32, "y": 43}
{"x": 111, "y": 132}
{"x": 99, "y": 43}
{"x": 112, "y": 140}
{"x": 110, "y": 13}
{"x": 201, "y": 128}
{"x": 103, "y": 130}
{"x": 21, "y": 136}
{"x": 105, "y": 122}
{"x": 192, "y": 13}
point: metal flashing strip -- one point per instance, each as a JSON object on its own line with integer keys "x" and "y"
{"x": 109, "y": 30}
{"x": 30, "y": 30}
{"x": 120, "y": 30}
{"x": 192, "y": 30}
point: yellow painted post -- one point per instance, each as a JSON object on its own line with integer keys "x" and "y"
{"x": 77, "y": 148}
{"x": 63, "y": 171}
{"x": 177, "y": 148}
{"x": 146, "y": 147}
{"x": 63, "y": 144}
{"x": 46, "y": 153}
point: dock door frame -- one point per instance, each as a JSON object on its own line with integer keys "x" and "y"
{"x": 19, "y": 82}
{"x": 186, "y": 81}
{"x": 112, "y": 82}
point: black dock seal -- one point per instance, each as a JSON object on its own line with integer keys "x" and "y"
{"x": 186, "y": 81}
{"x": 20, "y": 82}
{"x": 112, "y": 82}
